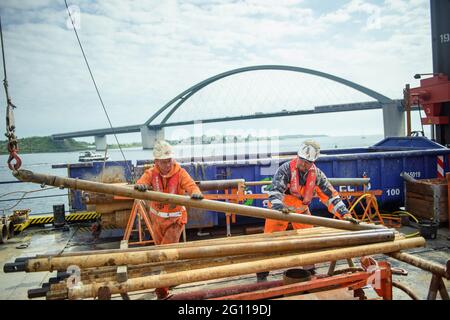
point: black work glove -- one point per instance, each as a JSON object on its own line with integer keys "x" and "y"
{"x": 197, "y": 196}
{"x": 285, "y": 210}
{"x": 349, "y": 217}
{"x": 141, "y": 187}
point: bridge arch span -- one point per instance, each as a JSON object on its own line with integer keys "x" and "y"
{"x": 178, "y": 101}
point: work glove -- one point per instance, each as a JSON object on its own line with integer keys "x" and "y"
{"x": 285, "y": 210}
{"x": 141, "y": 187}
{"x": 197, "y": 196}
{"x": 349, "y": 217}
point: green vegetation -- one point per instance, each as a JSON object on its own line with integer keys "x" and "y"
{"x": 125, "y": 145}
{"x": 46, "y": 144}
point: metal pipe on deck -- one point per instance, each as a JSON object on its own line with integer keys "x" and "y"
{"x": 141, "y": 257}
{"x": 282, "y": 235}
{"x": 225, "y": 291}
{"x": 76, "y": 184}
{"x": 433, "y": 267}
{"x": 177, "y": 278}
{"x": 333, "y": 181}
{"x": 208, "y": 185}
{"x": 167, "y": 267}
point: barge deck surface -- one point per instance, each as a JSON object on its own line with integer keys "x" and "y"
{"x": 14, "y": 286}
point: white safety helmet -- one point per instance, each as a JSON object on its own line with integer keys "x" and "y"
{"x": 162, "y": 150}
{"x": 309, "y": 150}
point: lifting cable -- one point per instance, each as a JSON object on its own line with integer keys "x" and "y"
{"x": 12, "y": 145}
{"x": 19, "y": 200}
{"x": 96, "y": 88}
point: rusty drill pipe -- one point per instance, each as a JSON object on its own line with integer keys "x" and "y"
{"x": 177, "y": 278}
{"x": 225, "y": 291}
{"x": 57, "y": 295}
{"x": 189, "y": 265}
{"x": 433, "y": 267}
{"x": 76, "y": 184}
{"x": 176, "y": 267}
{"x": 333, "y": 181}
{"x": 171, "y": 266}
{"x": 213, "y": 242}
{"x": 99, "y": 272}
{"x": 133, "y": 258}
{"x": 208, "y": 185}
{"x": 311, "y": 232}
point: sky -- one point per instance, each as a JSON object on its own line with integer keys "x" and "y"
{"x": 144, "y": 53}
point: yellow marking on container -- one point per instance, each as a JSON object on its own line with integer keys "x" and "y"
{"x": 49, "y": 219}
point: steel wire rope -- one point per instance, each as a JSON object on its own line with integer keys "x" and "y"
{"x": 322, "y": 90}
{"x": 23, "y": 197}
{"x": 336, "y": 98}
{"x": 292, "y": 93}
{"x": 96, "y": 88}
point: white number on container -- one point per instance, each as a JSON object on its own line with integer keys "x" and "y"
{"x": 346, "y": 188}
{"x": 414, "y": 174}
{"x": 393, "y": 192}
{"x": 445, "y": 37}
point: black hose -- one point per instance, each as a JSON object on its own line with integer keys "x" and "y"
{"x": 405, "y": 289}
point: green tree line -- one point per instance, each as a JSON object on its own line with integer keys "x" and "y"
{"x": 46, "y": 144}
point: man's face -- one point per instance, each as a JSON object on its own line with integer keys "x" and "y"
{"x": 303, "y": 165}
{"x": 164, "y": 165}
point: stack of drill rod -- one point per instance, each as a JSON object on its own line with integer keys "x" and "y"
{"x": 172, "y": 265}
{"x": 183, "y": 263}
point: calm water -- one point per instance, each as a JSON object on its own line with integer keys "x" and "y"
{"x": 42, "y": 163}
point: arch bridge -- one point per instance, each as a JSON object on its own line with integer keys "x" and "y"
{"x": 393, "y": 119}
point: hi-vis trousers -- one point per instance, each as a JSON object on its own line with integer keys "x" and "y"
{"x": 280, "y": 225}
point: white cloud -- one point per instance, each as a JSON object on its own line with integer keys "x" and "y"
{"x": 143, "y": 53}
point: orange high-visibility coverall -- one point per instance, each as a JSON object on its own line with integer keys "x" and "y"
{"x": 167, "y": 229}
{"x": 278, "y": 199}
{"x": 272, "y": 225}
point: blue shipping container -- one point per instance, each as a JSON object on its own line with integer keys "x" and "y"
{"x": 382, "y": 163}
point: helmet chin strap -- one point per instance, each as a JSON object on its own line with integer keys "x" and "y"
{"x": 301, "y": 168}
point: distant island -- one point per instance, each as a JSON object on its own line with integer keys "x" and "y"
{"x": 47, "y": 144}
{"x": 226, "y": 139}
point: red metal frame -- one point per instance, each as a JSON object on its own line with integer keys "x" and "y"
{"x": 138, "y": 212}
{"x": 238, "y": 195}
{"x": 431, "y": 94}
{"x": 378, "y": 272}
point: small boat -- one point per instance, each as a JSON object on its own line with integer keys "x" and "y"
{"x": 91, "y": 156}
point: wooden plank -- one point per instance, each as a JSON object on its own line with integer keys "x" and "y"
{"x": 426, "y": 209}
{"x": 430, "y": 199}
{"x": 122, "y": 217}
{"x": 430, "y": 205}
{"x": 427, "y": 188}
{"x": 108, "y": 219}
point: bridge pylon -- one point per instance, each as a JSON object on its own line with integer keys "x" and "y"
{"x": 100, "y": 143}
{"x": 150, "y": 136}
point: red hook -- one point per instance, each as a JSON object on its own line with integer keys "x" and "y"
{"x": 13, "y": 156}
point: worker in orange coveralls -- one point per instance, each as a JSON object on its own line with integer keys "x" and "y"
{"x": 167, "y": 220}
{"x": 293, "y": 186}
